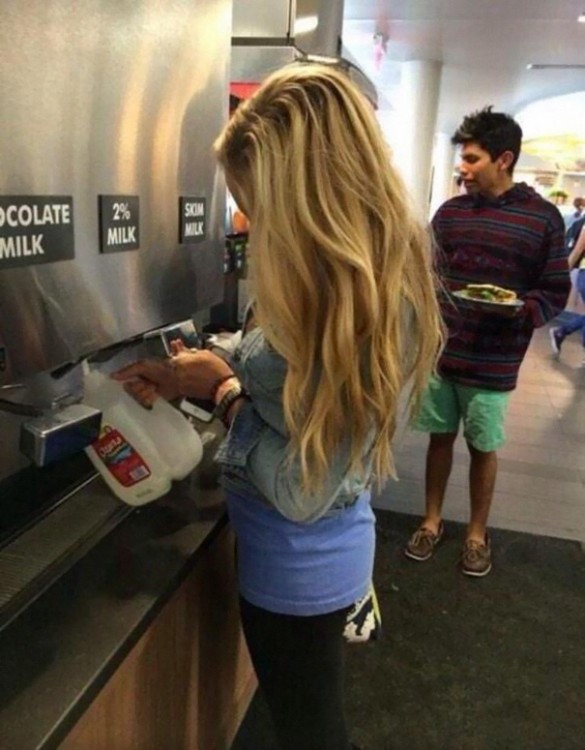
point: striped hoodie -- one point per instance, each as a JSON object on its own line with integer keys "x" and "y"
{"x": 514, "y": 241}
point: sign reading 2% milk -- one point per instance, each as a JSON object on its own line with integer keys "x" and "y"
{"x": 119, "y": 222}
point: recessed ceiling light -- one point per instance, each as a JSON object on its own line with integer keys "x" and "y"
{"x": 305, "y": 24}
{"x": 555, "y": 66}
{"x": 581, "y": 18}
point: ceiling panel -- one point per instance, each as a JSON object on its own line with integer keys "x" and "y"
{"x": 484, "y": 45}
{"x": 460, "y": 10}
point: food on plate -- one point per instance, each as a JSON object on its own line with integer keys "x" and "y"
{"x": 490, "y": 293}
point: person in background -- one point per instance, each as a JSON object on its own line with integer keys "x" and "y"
{"x": 344, "y": 315}
{"x": 573, "y": 230}
{"x": 507, "y": 235}
{"x": 574, "y": 224}
{"x": 571, "y": 218}
{"x": 577, "y": 322}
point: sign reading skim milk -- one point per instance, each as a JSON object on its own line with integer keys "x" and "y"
{"x": 192, "y": 220}
{"x": 119, "y": 222}
{"x": 35, "y": 229}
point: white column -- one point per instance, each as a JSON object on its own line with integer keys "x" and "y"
{"x": 443, "y": 165}
{"x": 416, "y": 115}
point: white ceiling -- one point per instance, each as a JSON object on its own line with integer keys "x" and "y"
{"x": 484, "y": 45}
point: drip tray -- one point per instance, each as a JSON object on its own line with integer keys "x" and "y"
{"x": 39, "y": 556}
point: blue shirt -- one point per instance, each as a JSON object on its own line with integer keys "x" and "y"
{"x": 303, "y": 569}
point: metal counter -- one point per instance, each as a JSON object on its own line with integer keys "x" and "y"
{"x": 64, "y": 646}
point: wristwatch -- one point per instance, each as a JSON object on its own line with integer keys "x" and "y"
{"x": 234, "y": 393}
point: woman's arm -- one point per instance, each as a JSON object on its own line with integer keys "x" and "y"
{"x": 263, "y": 453}
{"x": 221, "y": 392}
{"x": 280, "y": 480}
{"x": 189, "y": 372}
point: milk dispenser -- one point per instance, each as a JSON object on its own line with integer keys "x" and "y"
{"x": 111, "y": 229}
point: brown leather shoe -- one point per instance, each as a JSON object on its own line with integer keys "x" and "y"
{"x": 476, "y": 558}
{"x": 422, "y": 543}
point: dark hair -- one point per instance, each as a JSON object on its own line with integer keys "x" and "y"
{"x": 495, "y": 132}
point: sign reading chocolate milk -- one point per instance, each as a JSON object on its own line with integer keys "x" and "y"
{"x": 35, "y": 229}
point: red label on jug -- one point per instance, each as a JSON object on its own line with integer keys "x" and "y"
{"x": 120, "y": 457}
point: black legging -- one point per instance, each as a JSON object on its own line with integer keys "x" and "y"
{"x": 299, "y": 662}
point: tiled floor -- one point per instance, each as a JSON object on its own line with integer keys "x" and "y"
{"x": 541, "y": 479}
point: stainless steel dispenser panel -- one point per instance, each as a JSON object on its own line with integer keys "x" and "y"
{"x": 324, "y": 36}
{"x": 312, "y": 26}
{"x": 251, "y": 63}
{"x": 262, "y": 18}
{"x": 314, "y": 32}
{"x": 63, "y": 433}
{"x": 111, "y": 98}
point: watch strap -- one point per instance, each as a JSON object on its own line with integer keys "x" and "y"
{"x": 233, "y": 394}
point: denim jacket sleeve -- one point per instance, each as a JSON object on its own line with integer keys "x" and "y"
{"x": 261, "y": 455}
{"x": 279, "y": 479}
{"x": 257, "y": 445}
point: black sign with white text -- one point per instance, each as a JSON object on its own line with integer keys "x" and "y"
{"x": 192, "y": 220}
{"x": 119, "y": 222}
{"x": 35, "y": 229}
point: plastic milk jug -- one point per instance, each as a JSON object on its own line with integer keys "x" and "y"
{"x": 139, "y": 451}
{"x": 174, "y": 437}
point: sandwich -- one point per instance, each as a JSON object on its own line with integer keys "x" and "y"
{"x": 490, "y": 293}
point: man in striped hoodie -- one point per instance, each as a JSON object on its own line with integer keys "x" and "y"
{"x": 502, "y": 233}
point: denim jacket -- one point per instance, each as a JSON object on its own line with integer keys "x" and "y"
{"x": 254, "y": 454}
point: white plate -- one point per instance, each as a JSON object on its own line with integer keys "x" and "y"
{"x": 486, "y": 303}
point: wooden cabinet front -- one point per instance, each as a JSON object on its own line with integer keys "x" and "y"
{"x": 188, "y": 682}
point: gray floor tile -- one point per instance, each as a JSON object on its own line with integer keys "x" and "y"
{"x": 546, "y": 435}
{"x": 554, "y": 490}
{"x": 545, "y": 409}
{"x": 529, "y": 399}
{"x": 536, "y": 388}
{"x": 547, "y": 471}
{"x": 525, "y": 420}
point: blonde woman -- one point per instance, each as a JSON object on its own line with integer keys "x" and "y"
{"x": 344, "y": 315}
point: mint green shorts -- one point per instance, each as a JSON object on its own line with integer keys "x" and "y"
{"x": 445, "y": 404}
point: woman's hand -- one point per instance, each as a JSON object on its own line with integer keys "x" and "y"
{"x": 197, "y": 370}
{"x": 147, "y": 379}
{"x": 188, "y": 372}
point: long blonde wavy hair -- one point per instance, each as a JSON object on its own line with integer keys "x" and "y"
{"x": 341, "y": 267}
